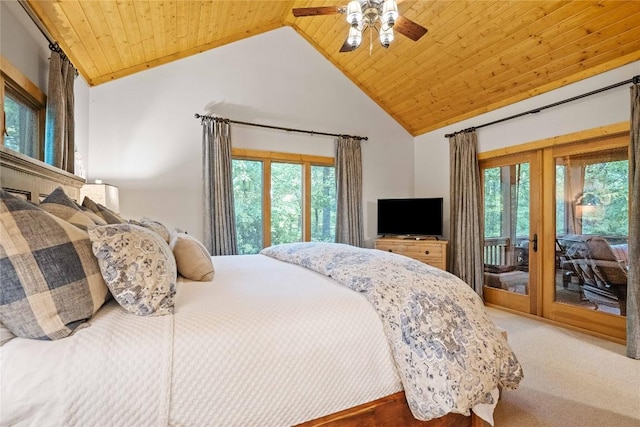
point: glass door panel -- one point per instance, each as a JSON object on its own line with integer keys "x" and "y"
{"x": 592, "y": 223}
{"x": 586, "y": 207}
{"x": 507, "y": 185}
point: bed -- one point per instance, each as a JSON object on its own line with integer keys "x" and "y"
{"x": 266, "y": 341}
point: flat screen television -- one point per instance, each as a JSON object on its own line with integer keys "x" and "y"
{"x": 410, "y": 217}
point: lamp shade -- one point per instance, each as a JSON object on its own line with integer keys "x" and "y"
{"x": 104, "y": 194}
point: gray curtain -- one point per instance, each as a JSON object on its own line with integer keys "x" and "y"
{"x": 60, "y": 124}
{"x": 219, "y": 220}
{"x": 349, "y": 227}
{"x": 633, "y": 285}
{"x": 465, "y": 236}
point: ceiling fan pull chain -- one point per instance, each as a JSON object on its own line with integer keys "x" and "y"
{"x": 370, "y": 42}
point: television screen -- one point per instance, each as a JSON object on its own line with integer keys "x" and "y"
{"x": 412, "y": 217}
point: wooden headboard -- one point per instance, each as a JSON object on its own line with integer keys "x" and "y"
{"x": 33, "y": 179}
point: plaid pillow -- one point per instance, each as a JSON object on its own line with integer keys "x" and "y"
{"x": 59, "y": 204}
{"x": 5, "y": 335}
{"x": 97, "y": 220}
{"x": 103, "y": 212}
{"x": 50, "y": 279}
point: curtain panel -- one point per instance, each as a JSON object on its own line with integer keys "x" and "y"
{"x": 633, "y": 284}
{"x": 349, "y": 223}
{"x": 219, "y": 219}
{"x": 60, "y": 122}
{"x": 466, "y": 229}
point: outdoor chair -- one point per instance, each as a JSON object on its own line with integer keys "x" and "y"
{"x": 602, "y": 271}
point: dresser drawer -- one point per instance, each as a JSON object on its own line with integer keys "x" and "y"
{"x": 432, "y": 252}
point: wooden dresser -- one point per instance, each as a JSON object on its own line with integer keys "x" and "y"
{"x": 429, "y": 251}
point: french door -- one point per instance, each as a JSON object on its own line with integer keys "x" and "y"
{"x": 586, "y": 216}
{"x": 511, "y": 188}
{"x": 556, "y": 230}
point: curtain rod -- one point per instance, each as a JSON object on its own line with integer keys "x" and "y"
{"x": 37, "y": 21}
{"x": 53, "y": 45}
{"x": 634, "y": 80}
{"x": 310, "y": 132}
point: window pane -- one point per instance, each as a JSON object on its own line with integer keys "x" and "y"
{"x": 286, "y": 203}
{"x": 22, "y": 125}
{"x": 247, "y": 194}
{"x": 592, "y": 241}
{"x": 323, "y": 204}
{"x": 506, "y": 242}
{"x": 492, "y": 203}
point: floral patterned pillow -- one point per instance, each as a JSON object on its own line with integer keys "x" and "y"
{"x": 138, "y": 267}
{"x": 156, "y": 226}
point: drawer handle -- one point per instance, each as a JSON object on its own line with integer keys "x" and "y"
{"x": 426, "y": 252}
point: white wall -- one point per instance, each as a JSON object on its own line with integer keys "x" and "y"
{"x": 81, "y": 117}
{"x": 432, "y": 149}
{"x": 23, "y": 45}
{"x": 27, "y": 49}
{"x": 144, "y": 138}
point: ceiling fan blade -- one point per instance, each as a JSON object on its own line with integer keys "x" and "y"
{"x": 315, "y": 11}
{"x": 346, "y": 47}
{"x": 409, "y": 29}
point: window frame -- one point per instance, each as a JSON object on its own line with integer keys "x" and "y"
{"x": 269, "y": 157}
{"x": 27, "y": 92}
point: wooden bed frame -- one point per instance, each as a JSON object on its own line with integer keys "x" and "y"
{"x": 33, "y": 180}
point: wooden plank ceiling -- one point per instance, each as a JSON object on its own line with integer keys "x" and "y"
{"x": 477, "y": 55}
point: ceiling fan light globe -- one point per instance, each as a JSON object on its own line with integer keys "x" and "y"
{"x": 355, "y": 37}
{"x": 389, "y": 12}
{"x": 386, "y": 35}
{"x": 354, "y": 13}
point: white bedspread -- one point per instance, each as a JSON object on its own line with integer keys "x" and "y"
{"x": 265, "y": 344}
{"x": 114, "y": 372}
{"x": 290, "y": 345}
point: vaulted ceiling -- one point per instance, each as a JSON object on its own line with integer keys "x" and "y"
{"x": 476, "y": 57}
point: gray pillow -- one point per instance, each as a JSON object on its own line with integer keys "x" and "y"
{"x": 51, "y": 282}
{"x": 102, "y": 211}
{"x": 138, "y": 267}
{"x": 59, "y": 204}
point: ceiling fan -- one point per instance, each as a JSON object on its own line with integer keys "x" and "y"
{"x": 381, "y": 15}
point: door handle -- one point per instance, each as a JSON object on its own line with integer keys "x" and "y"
{"x": 535, "y": 242}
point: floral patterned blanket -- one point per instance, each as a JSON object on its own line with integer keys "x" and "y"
{"x": 448, "y": 352}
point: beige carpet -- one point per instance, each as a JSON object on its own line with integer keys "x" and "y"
{"x": 571, "y": 379}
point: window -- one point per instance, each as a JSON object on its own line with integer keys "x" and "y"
{"x": 282, "y": 198}
{"x": 23, "y": 105}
